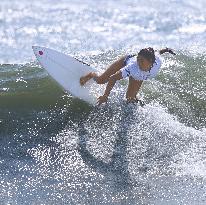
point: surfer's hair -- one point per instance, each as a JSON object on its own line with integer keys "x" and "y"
{"x": 149, "y": 53}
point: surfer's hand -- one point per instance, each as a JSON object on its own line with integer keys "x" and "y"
{"x": 102, "y": 99}
{"x": 169, "y": 50}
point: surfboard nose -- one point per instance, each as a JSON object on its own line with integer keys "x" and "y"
{"x": 38, "y": 51}
{"x": 35, "y": 48}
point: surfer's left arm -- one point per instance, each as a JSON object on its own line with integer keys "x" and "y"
{"x": 168, "y": 50}
{"x": 112, "y": 80}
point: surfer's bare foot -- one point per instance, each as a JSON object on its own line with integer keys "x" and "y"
{"x": 83, "y": 80}
{"x": 86, "y": 78}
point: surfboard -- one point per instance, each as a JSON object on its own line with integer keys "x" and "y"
{"x": 66, "y": 71}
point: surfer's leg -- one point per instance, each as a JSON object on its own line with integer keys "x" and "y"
{"x": 104, "y": 77}
{"x": 133, "y": 88}
{"x": 112, "y": 69}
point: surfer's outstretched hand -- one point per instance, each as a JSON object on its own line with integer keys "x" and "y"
{"x": 102, "y": 99}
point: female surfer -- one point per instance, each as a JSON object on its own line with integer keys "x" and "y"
{"x": 145, "y": 65}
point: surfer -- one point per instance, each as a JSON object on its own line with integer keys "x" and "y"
{"x": 143, "y": 66}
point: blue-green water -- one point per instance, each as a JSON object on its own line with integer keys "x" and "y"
{"x": 56, "y": 149}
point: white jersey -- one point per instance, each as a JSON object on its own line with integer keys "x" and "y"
{"x": 132, "y": 69}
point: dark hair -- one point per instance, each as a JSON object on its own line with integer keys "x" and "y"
{"x": 148, "y": 53}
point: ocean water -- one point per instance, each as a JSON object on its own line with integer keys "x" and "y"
{"x": 55, "y": 149}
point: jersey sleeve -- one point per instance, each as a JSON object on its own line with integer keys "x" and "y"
{"x": 156, "y": 68}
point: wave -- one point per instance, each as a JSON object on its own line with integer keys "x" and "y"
{"x": 180, "y": 86}
{"x": 45, "y": 132}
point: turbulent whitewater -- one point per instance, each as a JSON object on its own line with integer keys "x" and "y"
{"x": 56, "y": 149}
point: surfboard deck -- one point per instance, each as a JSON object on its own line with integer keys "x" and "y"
{"x": 66, "y": 71}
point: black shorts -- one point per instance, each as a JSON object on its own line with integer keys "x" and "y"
{"x": 127, "y": 58}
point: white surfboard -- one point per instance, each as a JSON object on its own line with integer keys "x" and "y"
{"x": 67, "y": 71}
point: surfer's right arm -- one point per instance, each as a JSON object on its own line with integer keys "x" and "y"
{"x": 112, "y": 80}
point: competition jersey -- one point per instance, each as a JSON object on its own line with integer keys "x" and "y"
{"x": 132, "y": 69}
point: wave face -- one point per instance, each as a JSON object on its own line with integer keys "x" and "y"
{"x": 179, "y": 87}
{"x": 56, "y": 149}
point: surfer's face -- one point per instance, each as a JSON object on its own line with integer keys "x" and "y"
{"x": 144, "y": 63}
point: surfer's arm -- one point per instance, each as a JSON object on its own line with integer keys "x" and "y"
{"x": 168, "y": 50}
{"x": 112, "y": 80}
